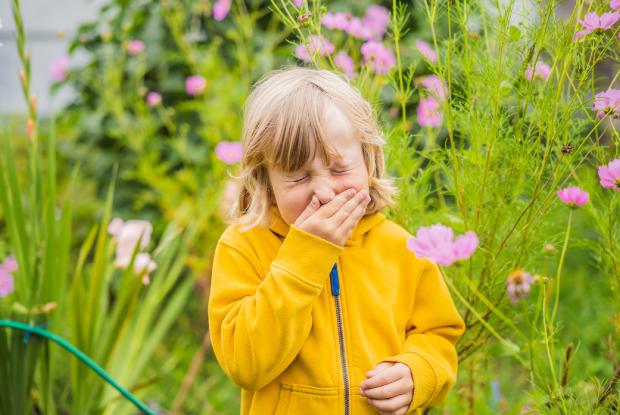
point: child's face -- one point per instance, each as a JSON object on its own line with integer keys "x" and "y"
{"x": 293, "y": 191}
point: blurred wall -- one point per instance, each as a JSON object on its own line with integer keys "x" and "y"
{"x": 43, "y": 19}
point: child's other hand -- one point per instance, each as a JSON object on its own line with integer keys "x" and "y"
{"x": 335, "y": 220}
{"x": 389, "y": 388}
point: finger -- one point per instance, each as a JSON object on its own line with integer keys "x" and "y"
{"x": 336, "y": 203}
{"x": 390, "y": 405}
{"x": 352, "y": 212}
{"x": 379, "y": 367}
{"x": 387, "y": 391}
{"x": 308, "y": 211}
{"x": 384, "y": 377}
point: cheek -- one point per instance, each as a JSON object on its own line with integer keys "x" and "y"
{"x": 357, "y": 180}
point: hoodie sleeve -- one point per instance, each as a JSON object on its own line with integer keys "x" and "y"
{"x": 429, "y": 348}
{"x": 258, "y": 323}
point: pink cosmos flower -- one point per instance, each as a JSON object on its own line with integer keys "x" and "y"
{"x": 298, "y": 3}
{"x": 135, "y": 47}
{"x": 316, "y": 44}
{"x": 7, "y": 284}
{"x": 573, "y": 196}
{"x": 152, "y": 99}
{"x": 376, "y": 20}
{"x": 542, "y": 71}
{"x": 345, "y": 63}
{"x": 9, "y": 264}
{"x": 230, "y": 152}
{"x": 615, "y": 4}
{"x": 428, "y": 113}
{"x": 518, "y": 284}
{"x": 607, "y": 101}
{"x": 465, "y": 245}
{"x": 381, "y": 58}
{"x": 221, "y": 8}
{"x": 357, "y": 29}
{"x": 59, "y": 67}
{"x": 195, "y": 85}
{"x": 609, "y": 175}
{"x": 336, "y": 21}
{"x": 437, "y": 243}
{"x": 426, "y": 50}
{"x": 435, "y": 86}
{"x": 593, "y": 22}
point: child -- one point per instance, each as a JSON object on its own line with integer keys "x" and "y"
{"x": 316, "y": 306}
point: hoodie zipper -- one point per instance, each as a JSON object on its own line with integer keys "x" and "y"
{"x": 333, "y": 276}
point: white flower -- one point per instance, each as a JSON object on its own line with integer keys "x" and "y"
{"x": 127, "y": 234}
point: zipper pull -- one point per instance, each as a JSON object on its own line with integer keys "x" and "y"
{"x": 333, "y": 277}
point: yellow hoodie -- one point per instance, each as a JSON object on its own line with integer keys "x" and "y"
{"x": 297, "y": 321}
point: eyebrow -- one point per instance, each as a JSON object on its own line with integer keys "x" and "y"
{"x": 335, "y": 163}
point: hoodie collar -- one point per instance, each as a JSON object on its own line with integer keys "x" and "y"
{"x": 365, "y": 224}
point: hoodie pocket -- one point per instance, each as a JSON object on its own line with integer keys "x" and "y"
{"x": 307, "y": 400}
{"x": 360, "y": 405}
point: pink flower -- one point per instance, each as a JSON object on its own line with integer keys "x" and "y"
{"x": 9, "y": 264}
{"x": 357, "y": 29}
{"x": 381, "y": 58}
{"x": 316, "y": 44}
{"x": 609, "y": 175}
{"x": 298, "y": 3}
{"x": 58, "y": 69}
{"x": 221, "y": 8}
{"x": 230, "y": 152}
{"x": 465, "y": 245}
{"x": 345, "y": 63}
{"x": 428, "y": 113}
{"x": 195, "y": 85}
{"x": 376, "y": 20}
{"x": 437, "y": 243}
{"x": 336, "y": 21}
{"x": 135, "y": 47}
{"x": 607, "y": 101}
{"x": 542, "y": 71}
{"x": 593, "y": 22}
{"x": 152, "y": 99}
{"x": 615, "y": 4}
{"x": 573, "y": 196}
{"x": 435, "y": 85}
{"x": 7, "y": 284}
{"x": 518, "y": 284}
{"x": 426, "y": 50}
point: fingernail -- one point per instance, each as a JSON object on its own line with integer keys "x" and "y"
{"x": 350, "y": 192}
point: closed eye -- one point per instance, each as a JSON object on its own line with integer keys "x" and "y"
{"x": 298, "y": 180}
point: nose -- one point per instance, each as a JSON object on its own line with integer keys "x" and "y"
{"x": 324, "y": 190}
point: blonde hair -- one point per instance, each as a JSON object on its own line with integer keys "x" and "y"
{"x": 282, "y": 125}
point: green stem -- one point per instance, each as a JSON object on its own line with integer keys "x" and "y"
{"x": 478, "y": 316}
{"x": 559, "y": 271}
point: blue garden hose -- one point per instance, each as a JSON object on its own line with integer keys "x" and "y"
{"x": 76, "y": 352}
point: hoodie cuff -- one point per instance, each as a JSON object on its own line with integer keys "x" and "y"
{"x": 307, "y": 256}
{"x": 424, "y": 378}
